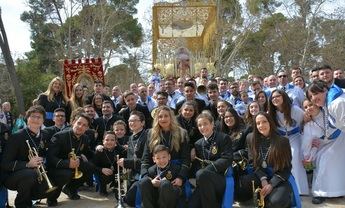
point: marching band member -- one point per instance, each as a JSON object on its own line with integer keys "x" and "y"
{"x": 214, "y": 152}
{"x": 20, "y": 171}
{"x": 166, "y": 131}
{"x": 67, "y": 161}
{"x": 159, "y": 190}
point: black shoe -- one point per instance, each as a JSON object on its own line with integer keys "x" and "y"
{"x": 73, "y": 195}
{"x": 103, "y": 193}
{"x": 52, "y": 202}
{"x": 318, "y": 200}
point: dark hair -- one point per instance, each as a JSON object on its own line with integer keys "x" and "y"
{"x": 212, "y": 86}
{"x": 238, "y": 122}
{"x": 189, "y": 84}
{"x": 190, "y": 103}
{"x": 120, "y": 122}
{"x": 299, "y": 76}
{"x": 317, "y": 86}
{"x": 128, "y": 93}
{"x": 248, "y": 117}
{"x": 139, "y": 114}
{"x": 98, "y": 82}
{"x": 286, "y": 106}
{"x": 325, "y": 66}
{"x": 280, "y": 153}
{"x": 163, "y": 93}
{"x": 36, "y": 109}
{"x": 108, "y": 102}
{"x": 109, "y": 132}
{"x": 83, "y": 115}
{"x": 205, "y": 114}
{"x": 315, "y": 69}
{"x": 160, "y": 148}
{"x": 88, "y": 106}
{"x": 265, "y": 107}
{"x": 297, "y": 68}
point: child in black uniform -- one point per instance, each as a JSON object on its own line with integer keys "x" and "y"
{"x": 105, "y": 161}
{"x": 157, "y": 183}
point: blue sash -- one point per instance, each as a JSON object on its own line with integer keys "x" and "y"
{"x": 296, "y": 197}
{"x": 187, "y": 186}
{"x": 333, "y": 93}
{"x": 334, "y": 135}
{"x": 138, "y": 197}
{"x": 228, "y": 198}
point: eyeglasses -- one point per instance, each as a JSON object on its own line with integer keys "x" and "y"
{"x": 281, "y": 76}
{"x": 277, "y": 96}
{"x": 36, "y": 117}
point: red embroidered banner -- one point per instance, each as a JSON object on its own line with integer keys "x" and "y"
{"x": 84, "y": 72}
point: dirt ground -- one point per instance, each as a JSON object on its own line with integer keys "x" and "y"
{"x": 91, "y": 199}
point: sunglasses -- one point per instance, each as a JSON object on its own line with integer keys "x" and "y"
{"x": 281, "y": 76}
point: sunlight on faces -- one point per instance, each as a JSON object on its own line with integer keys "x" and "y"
{"x": 164, "y": 119}
{"x": 80, "y": 126}
{"x": 299, "y": 82}
{"x": 189, "y": 93}
{"x": 262, "y": 125}
{"x": 57, "y": 86}
{"x": 187, "y": 112}
{"x": 318, "y": 98}
{"x": 326, "y": 75}
{"x": 131, "y": 101}
{"x": 109, "y": 141}
{"x": 213, "y": 94}
{"x": 310, "y": 108}
{"x": 261, "y": 98}
{"x": 229, "y": 119}
{"x": 35, "y": 121}
{"x": 161, "y": 159}
{"x": 107, "y": 109}
{"x": 277, "y": 99}
{"x": 254, "y": 108}
{"x": 135, "y": 124}
{"x": 119, "y": 130}
{"x": 205, "y": 127}
{"x": 221, "y": 108}
{"x": 79, "y": 92}
{"x": 90, "y": 111}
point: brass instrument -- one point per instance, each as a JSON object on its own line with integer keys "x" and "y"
{"x": 41, "y": 172}
{"x": 258, "y": 198}
{"x": 121, "y": 188}
{"x": 204, "y": 163}
{"x": 242, "y": 163}
{"x": 77, "y": 174}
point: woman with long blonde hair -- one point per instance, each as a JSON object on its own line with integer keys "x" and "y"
{"x": 165, "y": 131}
{"x": 54, "y": 97}
{"x": 77, "y": 97}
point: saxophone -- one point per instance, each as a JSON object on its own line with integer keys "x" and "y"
{"x": 258, "y": 198}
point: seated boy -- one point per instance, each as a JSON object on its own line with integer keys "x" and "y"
{"x": 105, "y": 161}
{"x": 156, "y": 188}
{"x": 120, "y": 132}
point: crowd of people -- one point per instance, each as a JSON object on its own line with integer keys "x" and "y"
{"x": 261, "y": 132}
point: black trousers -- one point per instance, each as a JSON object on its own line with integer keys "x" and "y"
{"x": 61, "y": 177}
{"x": 27, "y": 186}
{"x": 280, "y": 197}
{"x": 167, "y": 194}
{"x": 210, "y": 188}
{"x": 131, "y": 194}
{"x": 104, "y": 180}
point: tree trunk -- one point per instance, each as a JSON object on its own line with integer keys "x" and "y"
{"x": 10, "y": 67}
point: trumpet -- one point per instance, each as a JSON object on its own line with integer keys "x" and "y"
{"x": 259, "y": 199}
{"x": 242, "y": 163}
{"x": 41, "y": 172}
{"x": 121, "y": 188}
{"x": 77, "y": 174}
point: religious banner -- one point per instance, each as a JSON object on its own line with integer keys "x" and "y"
{"x": 85, "y": 72}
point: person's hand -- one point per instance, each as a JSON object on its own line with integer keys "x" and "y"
{"x": 73, "y": 163}
{"x": 192, "y": 154}
{"x": 84, "y": 158}
{"x": 306, "y": 117}
{"x": 177, "y": 182}
{"x": 266, "y": 190}
{"x": 315, "y": 143}
{"x": 107, "y": 171}
{"x": 156, "y": 181}
{"x": 125, "y": 146}
{"x": 120, "y": 162}
{"x": 99, "y": 148}
{"x": 34, "y": 162}
{"x": 264, "y": 183}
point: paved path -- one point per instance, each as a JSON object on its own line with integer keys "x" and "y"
{"x": 90, "y": 199}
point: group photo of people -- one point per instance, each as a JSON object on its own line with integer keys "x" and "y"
{"x": 196, "y": 141}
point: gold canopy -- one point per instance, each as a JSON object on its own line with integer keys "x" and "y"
{"x": 184, "y": 31}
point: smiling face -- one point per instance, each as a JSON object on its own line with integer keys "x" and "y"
{"x": 310, "y": 108}
{"x": 277, "y": 99}
{"x": 161, "y": 158}
{"x": 56, "y": 86}
{"x": 261, "y": 98}
{"x": 262, "y": 125}
{"x": 80, "y": 126}
{"x": 164, "y": 119}
{"x": 205, "y": 127}
{"x": 229, "y": 119}
{"x": 318, "y": 98}
{"x": 135, "y": 124}
{"x": 109, "y": 141}
{"x": 187, "y": 112}
{"x": 221, "y": 108}
{"x": 254, "y": 108}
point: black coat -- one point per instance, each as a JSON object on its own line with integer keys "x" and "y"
{"x": 171, "y": 172}
{"x": 136, "y": 144}
{"x": 217, "y": 149}
{"x": 107, "y": 158}
{"x": 125, "y": 113}
{"x": 101, "y": 126}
